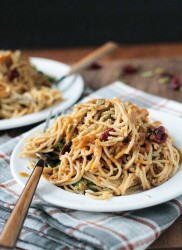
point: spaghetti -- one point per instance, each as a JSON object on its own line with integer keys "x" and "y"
{"x": 105, "y": 148}
{"x": 23, "y": 89}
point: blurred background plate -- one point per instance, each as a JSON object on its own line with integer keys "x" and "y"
{"x": 72, "y": 88}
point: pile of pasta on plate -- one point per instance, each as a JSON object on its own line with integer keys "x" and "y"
{"x": 24, "y": 89}
{"x": 105, "y": 148}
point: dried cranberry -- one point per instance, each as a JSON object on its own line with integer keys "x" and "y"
{"x": 66, "y": 148}
{"x": 12, "y": 74}
{"x": 94, "y": 66}
{"x": 129, "y": 69}
{"x": 106, "y": 133}
{"x": 175, "y": 83}
{"x": 158, "y": 135}
{"x": 161, "y": 140}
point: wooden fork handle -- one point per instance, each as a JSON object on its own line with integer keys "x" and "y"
{"x": 15, "y": 222}
{"x": 96, "y": 54}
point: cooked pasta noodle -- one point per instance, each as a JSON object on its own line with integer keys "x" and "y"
{"x": 23, "y": 89}
{"x": 105, "y": 148}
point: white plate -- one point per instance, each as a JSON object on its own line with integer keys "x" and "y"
{"x": 57, "y": 196}
{"x": 72, "y": 88}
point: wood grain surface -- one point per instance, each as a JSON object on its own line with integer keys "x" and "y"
{"x": 107, "y": 74}
{"x": 149, "y": 57}
{"x": 71, "y": 55}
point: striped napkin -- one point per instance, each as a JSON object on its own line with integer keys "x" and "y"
{"x": 50, "y": 227}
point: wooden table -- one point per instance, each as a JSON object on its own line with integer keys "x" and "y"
{"x": 149, "y": 57}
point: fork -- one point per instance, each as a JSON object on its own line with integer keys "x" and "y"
{"x": 56, "y": 115}
{"x": 47, "y": 121}
{"x": 87, "y": 60}
{"x": 12, "y": 228}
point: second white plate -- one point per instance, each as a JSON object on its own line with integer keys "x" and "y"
{"x": 72, "y": 88}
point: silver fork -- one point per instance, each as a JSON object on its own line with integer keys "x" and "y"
{"x": 47, "y": 121}
{"x": 49, "y": 118}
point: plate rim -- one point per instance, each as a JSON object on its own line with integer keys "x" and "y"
{"x": 29, "y": 119}
{"x": 94, "y": 208}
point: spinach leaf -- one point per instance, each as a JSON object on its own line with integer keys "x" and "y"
{"x": 83, "y": 184}
{"x": 52, "y": 164}
{"x": 51, "y": 79}
{"x": 52, "y": 159}
{"x": 60, "y": 146}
